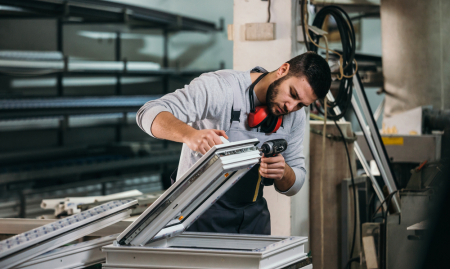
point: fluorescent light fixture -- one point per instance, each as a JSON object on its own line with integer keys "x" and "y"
{"x": 110, "y": 35}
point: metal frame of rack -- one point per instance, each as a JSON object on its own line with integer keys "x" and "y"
{"x": 65, "y": 109}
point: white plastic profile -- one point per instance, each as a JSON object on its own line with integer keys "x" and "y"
{"x": 200, "y": 187}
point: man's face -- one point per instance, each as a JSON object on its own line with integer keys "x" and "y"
{"x": 288, "y": 94}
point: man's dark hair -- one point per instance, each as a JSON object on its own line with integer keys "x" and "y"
{"x": 315, "y": 69}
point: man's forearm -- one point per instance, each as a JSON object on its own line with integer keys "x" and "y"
{"x": 167, "y": 126}
{"x": 287, "y": 181}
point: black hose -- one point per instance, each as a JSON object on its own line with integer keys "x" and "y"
{"x": 388, "y": 198}
{"x": 347, "y": 33}
{"x": 356, "y": 259}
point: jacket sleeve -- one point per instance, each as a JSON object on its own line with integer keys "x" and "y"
{"x": 205, "y": 97}
{"x": 294, "y": 154}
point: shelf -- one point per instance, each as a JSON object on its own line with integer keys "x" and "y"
{"x": 173, "y": 72}
{"x": 369, "y": 7}
{"x": 31, "y": 55}
{"x": 59, "y": 106}
{"x": 73, "y": 121}
{"x": 94, "y": 11}
{"x": 71, "y": 167}
{"x": 42, "y": 63}
{"x": 78, "y": 66}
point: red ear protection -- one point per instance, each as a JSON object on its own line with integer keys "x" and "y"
{"x": 260, "y": 116}
{"x": 263, "y": 119}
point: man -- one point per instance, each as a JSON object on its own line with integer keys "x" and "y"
{"x": 204, "y": 110}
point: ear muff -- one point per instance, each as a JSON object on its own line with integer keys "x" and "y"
{"x": 257, "y": 118}
{"x": 272, "y": 124}
{"x": 262, "y": 118}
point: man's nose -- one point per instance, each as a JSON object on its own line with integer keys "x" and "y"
{"x": 290, "y": 106}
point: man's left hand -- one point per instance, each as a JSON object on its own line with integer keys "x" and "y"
{"x": 273, "y": 167}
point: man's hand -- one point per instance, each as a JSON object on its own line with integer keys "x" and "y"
{"x": 276, "y": 168}
{"x": 166, "y": 126}
{"x": 272, "y": 167}
{"x": 203, "y": 140}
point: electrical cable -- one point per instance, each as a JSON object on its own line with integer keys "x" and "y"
{"x": 320, "y": 25}
{"x": 322, "y": 228}
{"x": 346, "y": 67}
{"x": 346, "y": 31}
{"x": 388, "y": 201}
{"x": 356, "y": 259}
{"x": 384, "y": 214}
{"x": 268, "y": 11}
{"x": 389, "y": 197}
{"x": 354, "y": 194}
{"x": 304, "y": 21}
{"x": 368, "y": 206}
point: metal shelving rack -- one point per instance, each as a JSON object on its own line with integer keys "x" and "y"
{"x": 104, "y": 12}
{"x": 65, "y": 106}
{"x": 67, "y": 113}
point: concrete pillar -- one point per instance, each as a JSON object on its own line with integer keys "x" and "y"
{"x": 289, "y": 216}
{"x": 416, "y": 58}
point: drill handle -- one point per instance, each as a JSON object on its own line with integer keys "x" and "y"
{"x": 270, "y": 149}
{"x": 267, "y": 181}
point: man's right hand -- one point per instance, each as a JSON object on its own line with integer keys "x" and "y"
{"x": 166, "y": 126}
{"x": 203, "y": 140}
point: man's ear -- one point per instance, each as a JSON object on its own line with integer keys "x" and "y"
{"x": 283, "y": 70}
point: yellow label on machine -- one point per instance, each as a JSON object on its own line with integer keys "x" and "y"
{"x": 392, "y": 141}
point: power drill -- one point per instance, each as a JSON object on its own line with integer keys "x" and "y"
{"x": 270, "y": 149}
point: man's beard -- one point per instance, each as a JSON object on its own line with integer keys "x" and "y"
{"x": 272, "y": 92}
